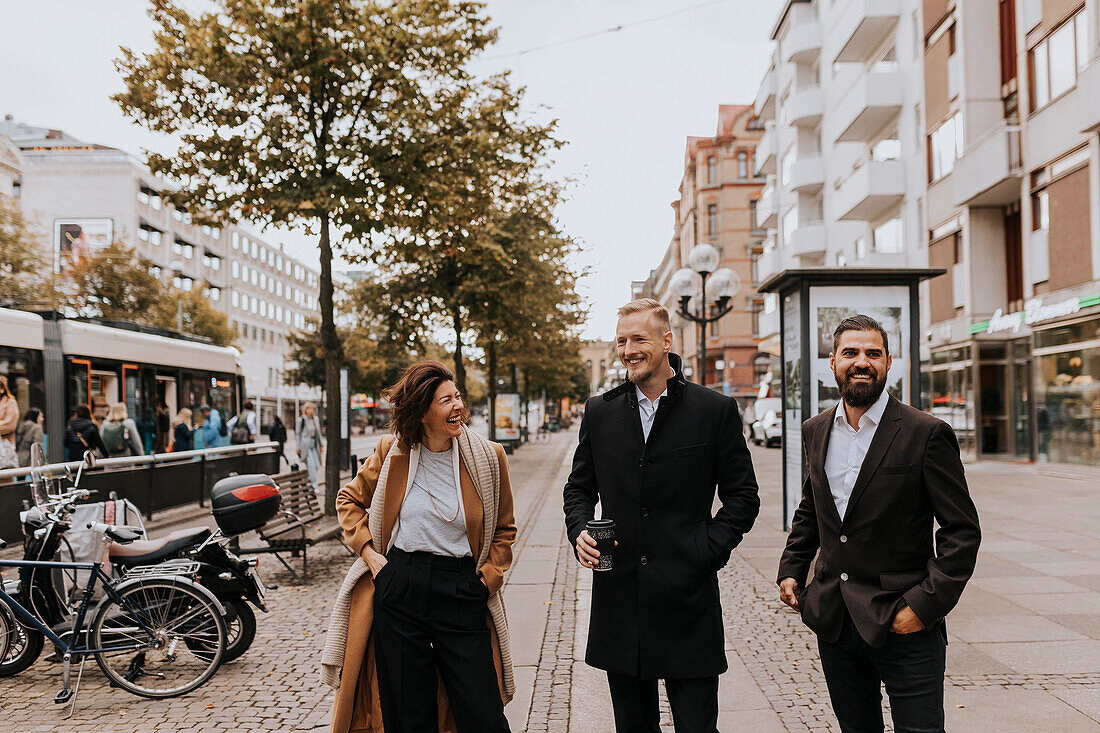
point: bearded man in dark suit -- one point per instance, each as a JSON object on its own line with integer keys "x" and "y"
{"x": 653, "y": 452}
{"x": 880, "y": 473}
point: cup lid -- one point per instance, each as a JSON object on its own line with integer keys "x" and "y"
{"x": 600, "y": 523}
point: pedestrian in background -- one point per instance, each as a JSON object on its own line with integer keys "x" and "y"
{"x": 430, "y": 515}
{"x": 881, "y": 475}
{"x": 211, "y": 426}
{"x": 147, "y": 426}
{"x": 242, "y": 426}
{"x": 81, "y": 434}
{"x": 9, "y": 420}
{"x": 164, "y": 427}
{"x": 652, "y": 453}
{"x": 277, "y": 433}
{"x": 307, "y": 434}
{"x": 28, "y": 433}
{"x": 120, "y": 434}
{"x": 182, "y": 438}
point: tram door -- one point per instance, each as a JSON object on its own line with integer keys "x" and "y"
{"x": 166, "y": 392}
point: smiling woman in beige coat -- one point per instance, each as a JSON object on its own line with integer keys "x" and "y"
{"x": 430, "y": 516}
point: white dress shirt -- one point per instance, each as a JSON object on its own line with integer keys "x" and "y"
{"x": 647, "y": 410}
{"x": 848, "y": 448}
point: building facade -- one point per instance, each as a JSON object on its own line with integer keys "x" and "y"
{"x": 719, "y": 191}
{"x": 1013, "y": 339}
{"x": 76, "y": 191}
{"x": 960, "y": 136}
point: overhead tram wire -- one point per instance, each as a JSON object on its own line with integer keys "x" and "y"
{"x": 605, "y": 31}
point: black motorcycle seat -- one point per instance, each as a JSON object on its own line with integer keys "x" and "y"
{"x": 149, "y": 552}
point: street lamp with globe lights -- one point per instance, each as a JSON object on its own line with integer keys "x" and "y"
{"x": 689, "y": 286}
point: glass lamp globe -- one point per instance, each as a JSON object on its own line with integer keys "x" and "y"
{"x": 683, "y": 283}
{"x": 703, "y": 258}
{"x": 724, "y": 283}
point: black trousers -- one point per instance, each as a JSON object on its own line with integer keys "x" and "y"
{"x": 429, "y": 615}
{"x": 911, "y": 666}
{"x": 694, "y": 704}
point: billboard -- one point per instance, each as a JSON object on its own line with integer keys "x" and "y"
{"x": 506, "y": 413}
{"x": 76, "y": 240}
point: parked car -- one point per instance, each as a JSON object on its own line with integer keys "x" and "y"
{"x": 768, "y": 428}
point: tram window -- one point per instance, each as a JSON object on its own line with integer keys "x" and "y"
{"x": 23, "y": 369}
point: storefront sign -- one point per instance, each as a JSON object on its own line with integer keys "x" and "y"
{"x": 1034, "y": 312}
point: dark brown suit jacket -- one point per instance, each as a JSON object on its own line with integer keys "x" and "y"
{"x": 912, "y": 476}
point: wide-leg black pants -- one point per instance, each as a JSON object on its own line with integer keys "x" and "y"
{"x": 429, "y": 614}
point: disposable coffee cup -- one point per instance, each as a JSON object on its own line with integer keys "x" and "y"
{"x": 603, "y": 531}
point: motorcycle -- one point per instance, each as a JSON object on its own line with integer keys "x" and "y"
{"x": 197, "y": 551}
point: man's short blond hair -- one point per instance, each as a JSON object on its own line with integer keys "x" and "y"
{"x": 644, "y": 305}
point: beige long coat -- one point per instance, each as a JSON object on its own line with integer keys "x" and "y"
{"x": 356, "y": 709}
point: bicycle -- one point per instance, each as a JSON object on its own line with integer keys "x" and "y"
{"x": 155, "y": 633}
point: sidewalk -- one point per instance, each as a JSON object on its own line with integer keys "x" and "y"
{"x": 1024, "y": 652}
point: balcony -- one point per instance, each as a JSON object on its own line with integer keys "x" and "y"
{"x": 765, "y": 96}
{"x": 1088, "y": 105}
{"x": 871, "y": 190}
{"x": 808, "y": 240}
{"x": 989, "y": 172}
{"x": 768, "y": 263}
{"x": 861, "y": 27}
{"x": 804, "y": 107}
{"x": 764, "y": 159}
{"x": 807, "y": 174}
{"x": 767, "y": 208}
{"x": 872, "y": 102}
{"x": 802, "y": 42}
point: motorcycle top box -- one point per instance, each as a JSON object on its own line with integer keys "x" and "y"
{"x": 244, "y": 503}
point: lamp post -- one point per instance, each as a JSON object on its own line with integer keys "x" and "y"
{"x": 689, "y": 286}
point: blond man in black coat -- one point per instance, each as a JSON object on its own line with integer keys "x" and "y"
{"x": 654, "y": 452}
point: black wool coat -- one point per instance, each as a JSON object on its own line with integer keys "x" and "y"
{"x": 881, "y": 556}
{"x": 657, "y": 613}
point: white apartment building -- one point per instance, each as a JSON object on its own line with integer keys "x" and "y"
{"x": 68, "y": 187}
{"x": 843, "y": 147}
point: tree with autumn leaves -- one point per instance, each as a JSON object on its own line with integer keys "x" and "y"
{"x": 358, "y": 120}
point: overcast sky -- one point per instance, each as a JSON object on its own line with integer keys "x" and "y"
{"x": 626, "y": 102}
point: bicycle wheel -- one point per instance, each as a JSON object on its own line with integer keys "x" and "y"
{"x": 189, "y": 632}
{"x": 7, "y": 629}
{"x": 24, "y": 645}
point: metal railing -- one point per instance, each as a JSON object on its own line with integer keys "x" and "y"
{"x": 153, "y": 483}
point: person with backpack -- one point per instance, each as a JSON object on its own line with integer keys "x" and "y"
{"x": 82, "y": 435}
{"x": 120, "y": 433}
{"x": 242, "y": 426}
{"x": 213, "y": 427}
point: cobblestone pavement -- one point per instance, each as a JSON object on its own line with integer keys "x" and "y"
{"x": 276, "y": 684}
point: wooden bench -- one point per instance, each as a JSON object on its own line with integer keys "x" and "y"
{"x": 300, "y": 524}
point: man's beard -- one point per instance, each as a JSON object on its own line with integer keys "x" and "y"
{"x": 861, "y": 394}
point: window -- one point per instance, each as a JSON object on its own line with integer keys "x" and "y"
{"x": 888, "y": 149}
{"x": 841, "y": 260}
{"x": 236, "y": 240}
{"x": 279, "y": 288}
{"x": 255, "y": 309}
{"x": 255, "y": 277}
{"x": 155, "y": 271}
{"x": 236, "y": 267}
{"x": 755, "y": 123}
{"x": 790, "y": 223}
{"x": 263, "y": 281}
{"x": 214, "y": 262}
{"x": 786, "y": 164}
{"x": 861, "y": 248}
{"x": 207, "y": 230}
{"x": 278, "y": 313}
{"x": 150, "y": 197}
{"x": 235, "y": 298}
{"x": 945, "y": 147}
{"x": 1040, "y": 217}
{"x": 278, "y": 262}
{"x": 245, "y": 272}
{"x": 255, "y": 249}
{"x": 752, "y": 215}
{"x": 1057, "y": 60}
{"x": 177, "y": 214}
{"x": 214, "y": 294}
{"x": 263, "y": 253}
{"x": 889, "y": 236}
{"x": 712, "y": 220}
{"x": 742, "y": 165}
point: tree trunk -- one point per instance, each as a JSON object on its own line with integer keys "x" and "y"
{"x": 334, "y": 357}
{"x": 460, "y": 367}
{"x": 492, "y": 358}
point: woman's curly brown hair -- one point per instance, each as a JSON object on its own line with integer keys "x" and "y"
{"x": 413, "y": 395}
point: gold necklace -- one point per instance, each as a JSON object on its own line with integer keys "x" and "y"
{"x": 436, "y": 509}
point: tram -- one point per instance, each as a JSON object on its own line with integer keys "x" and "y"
{"x": 56, "y": 363}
